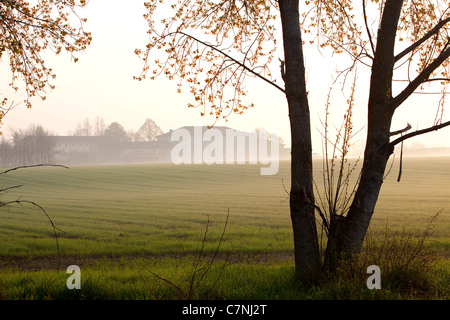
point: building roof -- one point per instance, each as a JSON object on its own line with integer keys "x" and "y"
{"x": 146, "y": 145}
{"x": 166, "y": 136}
{"x": 81, "y": 139}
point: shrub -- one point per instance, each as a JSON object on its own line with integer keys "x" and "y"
{"x": 408, "y": 268}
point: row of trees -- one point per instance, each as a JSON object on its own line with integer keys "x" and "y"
{"x": 147, "y": 132}
{"x": 27, "y": 146}
{"x": 36, "y": 145}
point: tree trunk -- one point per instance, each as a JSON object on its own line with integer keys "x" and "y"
{"x": 306, "y": 248}
{"x": 347, "y": 233}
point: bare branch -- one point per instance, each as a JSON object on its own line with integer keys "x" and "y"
{"x": 421, "y": 78}
{"x": 9, "y": 188}
{"x": 20, "y": 202}
{"x": 437, "y": 79}
{"x": 419, "y": 132}
{"x": 229, "y": 57}
{"x": 324, "y": 219}
{"x": 408, "y": 126}
{"x": 34, "y": 166}
{"x": 179, "y": 290}
{"x": 421, "y": 40}
{"x": 367, "y": 27}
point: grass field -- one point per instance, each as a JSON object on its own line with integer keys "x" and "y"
{"x": 130, "y": 217}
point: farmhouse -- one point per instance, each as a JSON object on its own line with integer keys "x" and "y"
{"x": 107, "y": 150}
{"x": 195, "y": 144}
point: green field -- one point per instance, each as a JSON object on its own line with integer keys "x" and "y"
{"x": 123, "y": 217}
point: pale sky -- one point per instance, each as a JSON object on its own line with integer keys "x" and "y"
{"x": 101, "y": 84}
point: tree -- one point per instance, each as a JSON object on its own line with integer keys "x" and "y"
{"x": 116, "y": 131}
{"x": 215, "y": 45}
{"x": 6, "y": 150}
{"x": 420, "y": 28}
{"x": 99, "y": 126}
{"x": 30, "y": 146}
{"x": 27, "y": 30}
{"x": 84, "y": 129}
{"x": 148, "y": 131}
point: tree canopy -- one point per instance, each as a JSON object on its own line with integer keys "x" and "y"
{"x": 27, "y": 30}
{"x": 148, "y": 131}
{"x": 213, "y": 46}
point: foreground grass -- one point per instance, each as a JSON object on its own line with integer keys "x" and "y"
{"x": 132, "y": 280}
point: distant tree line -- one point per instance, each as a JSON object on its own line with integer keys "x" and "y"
{"x": 27, "y": 146}
{"x": 147, "y": 132}
{"x": 36, "y": 145}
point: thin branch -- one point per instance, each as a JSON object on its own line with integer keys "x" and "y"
{"x": 33, "y": 166}
{"x": 210, "y": 263}
{"x": 229, "y": 57}
{"x": 197, "y": 262}
{"x": 179, "y": 290}
{"x": 367, "y": 27}
{"x": 422, "y": 40}
{"x": 14, "y": 187}
{"x": 390, "y": 168}
{"x": 400, "y": 170}
{"x": 20, "y": 202}
{"x": 421, "y": 78}
{"x": 437, "y": 79}
{"x": 325, "y": 222}
{"x": 193, "y": 283}
{"x": 394, "y": 133}
{"x": 419, "y": 132}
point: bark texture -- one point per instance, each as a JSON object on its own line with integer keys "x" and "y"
{"x": 307, "y": 256}
{"x": 347, "y": 233}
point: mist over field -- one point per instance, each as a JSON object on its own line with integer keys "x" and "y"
{"x": 116, "y": 221}
{"x": 163, "y": 208}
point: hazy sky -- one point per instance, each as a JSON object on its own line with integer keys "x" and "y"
{"x": 101, "y": 84}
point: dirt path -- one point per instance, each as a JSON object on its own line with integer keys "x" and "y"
{"x": 62, "y": 262}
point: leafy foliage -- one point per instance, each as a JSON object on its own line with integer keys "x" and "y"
{"x": 422, "y": 38}
{"x": 237, "y": 40}
{"x": 28, "y": 29}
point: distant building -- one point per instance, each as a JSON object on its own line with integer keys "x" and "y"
{"x": 106, "y": 150}
{"x": 76, "y": 150}
{"x": 145, "y": 152}
{"x": 224, "y": 145}
{"x": 81, "y": 149}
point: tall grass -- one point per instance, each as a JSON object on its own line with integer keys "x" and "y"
{"x": 129, "y": 280}
{"x": 409, "y": 269}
